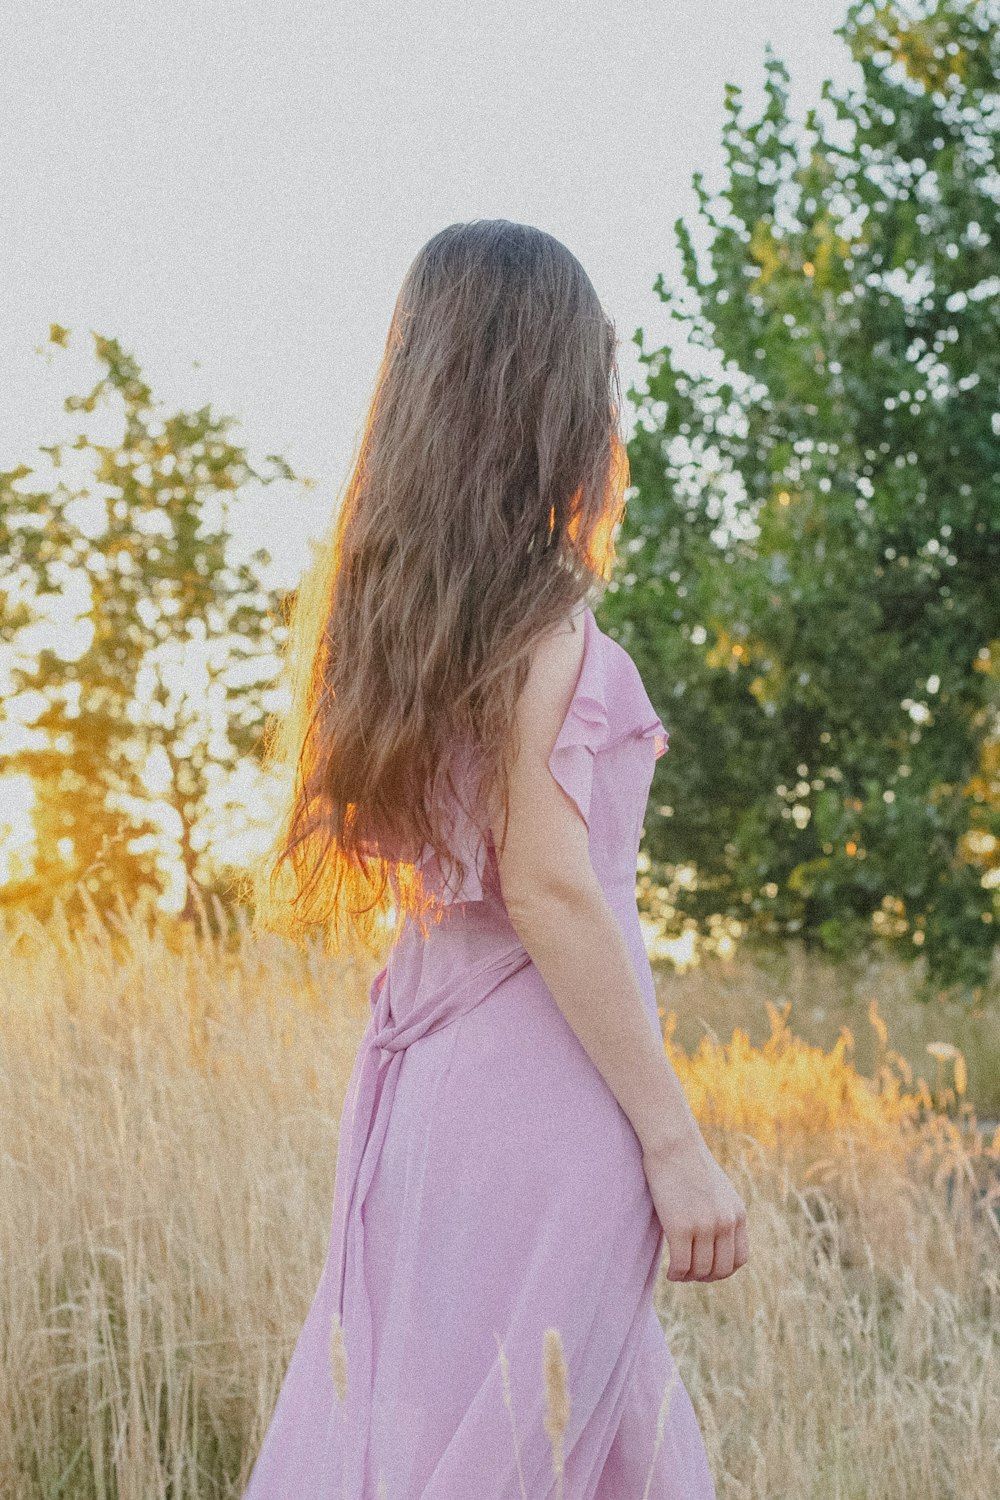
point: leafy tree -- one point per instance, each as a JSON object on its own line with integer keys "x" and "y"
{"x": 131, "y": 727}
{"x": 813, "y": 540}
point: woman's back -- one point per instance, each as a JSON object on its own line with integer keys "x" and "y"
{"x": 488, "y": 1188}
{"x": 514, "y": 1145}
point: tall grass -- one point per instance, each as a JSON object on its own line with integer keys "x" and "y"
{"x": 168, "y": 1116}
{"x": 823, "y": 999}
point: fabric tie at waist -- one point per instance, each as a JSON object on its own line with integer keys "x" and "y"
{"x": 378, "y": 1064}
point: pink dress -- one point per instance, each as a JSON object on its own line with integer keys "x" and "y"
{"x": 488, "y": 1187}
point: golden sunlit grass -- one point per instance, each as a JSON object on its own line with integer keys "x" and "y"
{"x": 169, "y": 1108}
{"x": 822, "y": 1000}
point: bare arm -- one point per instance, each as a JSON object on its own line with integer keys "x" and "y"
{"x": 559, "y": 911}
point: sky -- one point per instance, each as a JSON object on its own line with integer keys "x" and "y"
{"x": 235, "y": 191}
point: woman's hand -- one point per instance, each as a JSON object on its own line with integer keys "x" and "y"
{"x": 702, "y": 1214}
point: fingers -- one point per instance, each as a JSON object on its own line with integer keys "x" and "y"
{"x": 732, "y": 1249}
{"x": 742, "y": 1243}
{"x": 702, "y": 1255}
{"x": 723, "y": 1264}
{"x": 691, "y": 1255}
{"x": 680, "y": 1256}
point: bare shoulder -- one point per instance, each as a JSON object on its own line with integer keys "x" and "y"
{"x": 553, "y": 672}
{"x": 548, "y": 689}
{"x": 544, "y": 829}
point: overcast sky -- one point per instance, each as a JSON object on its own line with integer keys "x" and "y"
{"x": 234, "y": 191}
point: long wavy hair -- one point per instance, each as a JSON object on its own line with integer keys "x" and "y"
{"x": 489, "y": 479}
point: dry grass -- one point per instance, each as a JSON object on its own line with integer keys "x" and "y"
{"x": 169, "y": 1108}
{"x": 822, "y": 1000}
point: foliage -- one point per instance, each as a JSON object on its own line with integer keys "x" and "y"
{"x": 171, "y": 679}
{"x": 813, "y": 540}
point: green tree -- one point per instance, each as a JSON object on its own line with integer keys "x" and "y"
{"x": 132, "y": 724}
{"x": 813, "y": 539}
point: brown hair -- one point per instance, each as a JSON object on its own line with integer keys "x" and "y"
{"x": 479, "y": 511}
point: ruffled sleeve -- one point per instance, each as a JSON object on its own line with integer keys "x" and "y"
{"x": 660, "y": 736}
{"x": 585, "y": 728}
{"x": 609, "y": 704}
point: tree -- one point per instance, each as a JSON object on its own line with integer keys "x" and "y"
{"x": 813, "y": 538}
{"x": 131, "y": 726}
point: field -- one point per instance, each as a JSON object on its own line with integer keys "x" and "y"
{"x": 169, "y": 1109}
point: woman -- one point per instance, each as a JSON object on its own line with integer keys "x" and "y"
{"x": 473, "y": 755}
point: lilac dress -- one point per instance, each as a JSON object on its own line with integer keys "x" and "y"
{"x": 488, "y": 1187}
